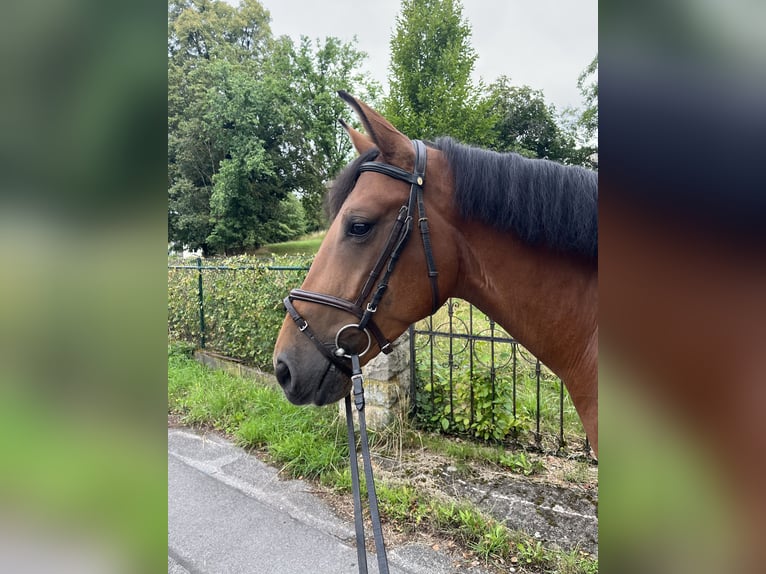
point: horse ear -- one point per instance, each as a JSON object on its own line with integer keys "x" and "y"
{"x": 393, "y": 145}
{"x": 361, "y": 142}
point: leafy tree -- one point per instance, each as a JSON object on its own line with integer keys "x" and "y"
{"x": 431, "y": 93}
{"x": 252, "y": 120}
{"x": 218, "y": 167}
{"x": 205, "y": 29}
{"x": 290, "y": 221}
{"x": 256, "y": 171}
{"x": 588, "y": 120}
{"x": 524, "y": 123}
{"x": 317, "y": 70}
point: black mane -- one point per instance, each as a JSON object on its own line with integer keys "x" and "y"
{"x": 543, "y": 202}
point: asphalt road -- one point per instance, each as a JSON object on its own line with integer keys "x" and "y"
{"x": 228, "y": 512}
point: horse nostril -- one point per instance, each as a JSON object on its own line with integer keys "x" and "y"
{"x": 282, "y": 372}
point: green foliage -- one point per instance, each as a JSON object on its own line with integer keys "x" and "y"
{"x": 524, "y": 123}
{"x": 224, "y": 154}
{"x": 493, "y": 542}
{"x": 243, "y": 308}
{"x": 462, "y": 396}
{"x": 431, "y": 92}
{"x": 518, "y": 462}
{"x": 308, "y": 442}
{"x": 588, "y": 120}
{"x": 252, "y": 126}
{"x": 530, "y": 552}
{"x": 289, "y": 222}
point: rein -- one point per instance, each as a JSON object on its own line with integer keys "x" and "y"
{"x": 335, "y": 353}
{"x": 372, "y": 498}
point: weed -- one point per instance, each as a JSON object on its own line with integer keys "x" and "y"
{"x": 457, "y": 395}
{"x": 401, "y": 503}
{"x": 578, "y": 474}
{"x": 531, "y": 552}
{"x": 493, "y": 543}
{"x": 574, "y": 562}
{"x": 518, "y": 462}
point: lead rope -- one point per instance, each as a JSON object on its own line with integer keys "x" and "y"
{"x": 380, "y": 547}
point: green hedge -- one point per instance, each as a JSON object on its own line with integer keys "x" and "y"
{"x": 243, "y": 307}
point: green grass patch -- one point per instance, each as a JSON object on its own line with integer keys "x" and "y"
{"x": 308, "y": 442}
{"x": 304, "y": 246}
{"x": 489, "y": 539}
{"x": 464, "y": 452}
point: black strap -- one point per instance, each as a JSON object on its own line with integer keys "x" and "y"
{"x": 377, "y": 529}
{"x": 303, "y": 326}
{"x": 361, "y": 551}
{"x": 417, "y": 179}
{"x": 425, "y": 236}
{"x": 338, "y": 303}
{"x": 392, "y": 171}
{"x": 398, "y": 233}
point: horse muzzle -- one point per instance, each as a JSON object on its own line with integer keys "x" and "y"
{"x": 310, "y": 378}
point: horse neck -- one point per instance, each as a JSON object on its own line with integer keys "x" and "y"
{"x": 547, "y": 301}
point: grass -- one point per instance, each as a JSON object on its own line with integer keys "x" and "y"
{"x": 310, "y": 443}
{"x": 307, "y": 245}
{"x": 578, "y": 474}
{"x": 487, "y": 538}
{"x": 463, "y": 452}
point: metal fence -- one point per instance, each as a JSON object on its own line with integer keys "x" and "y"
{"x": 200, "y": 269}
{"x": 471, "y": 378}
{"x": 231, "y": 307}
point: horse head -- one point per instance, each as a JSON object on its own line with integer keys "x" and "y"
{"x": 369, "y": 280}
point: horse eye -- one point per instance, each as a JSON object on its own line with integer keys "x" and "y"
{"x": 359, "y": 229}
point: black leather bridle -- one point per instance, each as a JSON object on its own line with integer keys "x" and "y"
{"x": 340, "y": 358}
{"x": 397, "y": 239}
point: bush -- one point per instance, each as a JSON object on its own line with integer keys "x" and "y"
{"x": 242, "y": 304}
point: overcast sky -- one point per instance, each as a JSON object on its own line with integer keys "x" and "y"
{"x": 541, "y": 43}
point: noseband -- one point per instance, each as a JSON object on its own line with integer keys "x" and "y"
{"x": 397, "y": 239}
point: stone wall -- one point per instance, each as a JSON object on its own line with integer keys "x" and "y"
{"x": 387, "y": 386}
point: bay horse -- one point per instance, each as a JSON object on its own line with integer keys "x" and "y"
{"x": 516, "y": 237}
